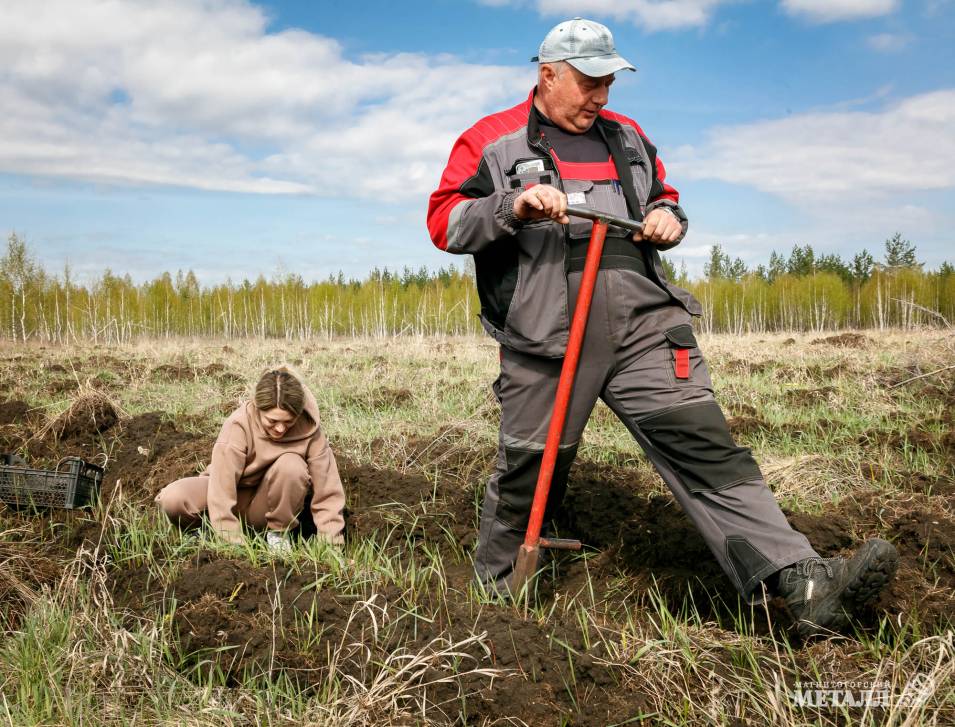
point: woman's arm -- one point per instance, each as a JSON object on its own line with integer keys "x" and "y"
{"x": 328, "y": 495}
{"x": 228, "y": 463}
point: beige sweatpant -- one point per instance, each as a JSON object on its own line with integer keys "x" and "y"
{"x": 274, "y": 503}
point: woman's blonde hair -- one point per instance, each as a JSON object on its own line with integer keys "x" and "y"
{"x": 279, "y": 387}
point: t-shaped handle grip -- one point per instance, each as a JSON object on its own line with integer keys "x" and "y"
{"x": 596, "y": 215}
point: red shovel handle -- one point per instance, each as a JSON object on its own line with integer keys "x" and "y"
{"x": 565, "y": 384}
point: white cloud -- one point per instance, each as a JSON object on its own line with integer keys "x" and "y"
{"x": 889, "y": 42}
{"x": 827, "y": 11}
{"x": 832, "y": 157}
{"x": 650, "y": 15}
{"x": 662, "y": 15}
{"x": 851, "y": 177}
{"x": 647, "y": 14}
{"x": 198, "y": 93}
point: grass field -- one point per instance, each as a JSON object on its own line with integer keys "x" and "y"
{"x": 114, "y": 617}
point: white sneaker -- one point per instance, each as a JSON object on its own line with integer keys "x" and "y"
{"x": 278, "y": 542}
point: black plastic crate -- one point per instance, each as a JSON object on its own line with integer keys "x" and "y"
{"x": 74, "y": 484}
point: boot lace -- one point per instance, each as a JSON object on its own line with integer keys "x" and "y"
{"x": 805, "y": 567}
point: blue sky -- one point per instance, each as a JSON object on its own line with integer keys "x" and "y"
{"x": 237, "y": 138}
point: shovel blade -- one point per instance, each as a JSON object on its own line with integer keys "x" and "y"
{"x": 525, "y": 568}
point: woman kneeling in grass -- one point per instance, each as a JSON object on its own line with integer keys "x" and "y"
{"x": 270, "y": 454}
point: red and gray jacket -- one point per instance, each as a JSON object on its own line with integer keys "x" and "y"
{"x": 521, "y": 267}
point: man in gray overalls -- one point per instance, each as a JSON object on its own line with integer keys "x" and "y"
{"x": 503, "y": 199}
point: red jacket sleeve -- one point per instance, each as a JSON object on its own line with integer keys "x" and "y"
{"x": 468, "y": 211}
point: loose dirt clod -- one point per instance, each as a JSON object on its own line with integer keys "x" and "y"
{"x": 843, "y": 340}
{"x": 91, "y": 413}
{"x": 24, "y": 570}
{"x": 13, "y": 412}
{"x": 173, "y": 372}
{"x": 383, "y": 397}
{"x": 744, "y": 426}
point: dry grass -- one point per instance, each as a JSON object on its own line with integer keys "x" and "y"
{"x": 72, "y": 656}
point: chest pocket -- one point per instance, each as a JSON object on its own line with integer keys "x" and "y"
{"x": 641, "y": 175}
{"x": 600, "y": 196}
{"x": 525, "y": 173}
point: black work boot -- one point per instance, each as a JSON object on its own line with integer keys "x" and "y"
{"x": 822, "y": 593}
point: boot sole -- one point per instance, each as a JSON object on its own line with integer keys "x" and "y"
{"x": 879, "y": 561}
{"x": 873, "y": 567}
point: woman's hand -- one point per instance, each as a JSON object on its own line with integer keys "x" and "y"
{"x": 230, "y": 537}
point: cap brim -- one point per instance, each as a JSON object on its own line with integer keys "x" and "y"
{"x": 600, "y": 66}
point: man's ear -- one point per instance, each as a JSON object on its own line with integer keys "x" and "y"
{"x": 547, "y": 76}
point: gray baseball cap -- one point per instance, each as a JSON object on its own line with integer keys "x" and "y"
{"x": 584, "y": 44}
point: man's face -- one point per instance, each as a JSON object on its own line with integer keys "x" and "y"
{"x": 573, "y": 100}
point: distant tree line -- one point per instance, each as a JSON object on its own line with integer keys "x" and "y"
{"x": 808, "y": 291}
{"x": 801, "y": 291}
{"x": 899, "y": 254}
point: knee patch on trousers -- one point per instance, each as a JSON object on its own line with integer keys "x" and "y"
{"x": 697, "y": 444}
{"x": 517, "y": 484}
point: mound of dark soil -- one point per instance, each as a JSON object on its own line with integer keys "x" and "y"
{"x": 745, "y": 426}
{"x": 239, "y": 619}
{"x": 929, "y": 484}
{"x": 218, "y": 371}
{"x": 924, "y": 586}
{"x": 828, "y": 534}
{"x": 607, "y": 510}
{"x": 64, "y": 385}
{"x": 739, "y": 366}
{"x": 89, "y": 415}
{"x": 383, "y": 397}
{"x": 744, "y": 410}
{"x": 409, "y": 505}
{"x": 810, "y": 397}
{"x": 843, "y": 340}
{"x": 153, "y": 452}
{"x": 930, "y": 537}
{"x": 106, "y": 361}
{"x": 454, "y": 451}
{"x": 14, "y": 412}
{"x": 173, "y": 372}
{"x": 825, "y": 374}
{"x": 24, "y": 570}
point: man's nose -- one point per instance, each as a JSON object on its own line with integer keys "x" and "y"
{"x": 601, "y": 95}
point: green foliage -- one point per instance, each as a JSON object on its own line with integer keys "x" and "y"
{"x": 20, "y": 276}
{"x": 802, "y": 261}
{"x": 777, "y": 266}
{"x": 669, "y": 268}
{"x": 862, "y": 265}
{"x": 834, "y": 264}
{"x": 899, "y": 253}
{"x": 801, "y": 292}
{"x": 721, "y": 267}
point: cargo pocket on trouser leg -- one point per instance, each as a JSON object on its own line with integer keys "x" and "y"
{"x": 696, "y": 443}
{"x": 517, "y": 484}
{"x": 682, "y": 343}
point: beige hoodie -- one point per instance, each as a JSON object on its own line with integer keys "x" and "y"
{"x": 244, "y": 451}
